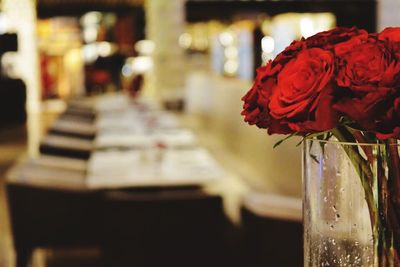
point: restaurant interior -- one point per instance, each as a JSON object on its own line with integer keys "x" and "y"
{"x": 121, "y": 138}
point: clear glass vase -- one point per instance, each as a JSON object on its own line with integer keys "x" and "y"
{"x": 349, "y": 209}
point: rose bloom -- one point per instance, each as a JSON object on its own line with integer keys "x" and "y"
{"x": 328, "y": 39}
{"x": 256, "y": 101}
{"x": 293, "y": 93}
{"x": 255, "y": 107}
{"x": 366, "y": 80}
{"x": 391, "y": 34}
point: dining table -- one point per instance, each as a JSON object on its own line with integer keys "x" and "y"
{"x": 115, "y": 154}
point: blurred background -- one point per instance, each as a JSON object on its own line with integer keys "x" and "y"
{"x": 83, "y": 83}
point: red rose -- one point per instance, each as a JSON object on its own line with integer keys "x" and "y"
{"x": 302, "y": 85}
{"x": 362, "y": 65}
{"x": 256, "y": 101}
{"x": 391, "y": 34}
{"x": 328, "y": 39}
{"x": 345, "y": 72}
{"x": 288, "y": 53}
{"x": 293, "y": 93}
{"x": 365, "y": 78}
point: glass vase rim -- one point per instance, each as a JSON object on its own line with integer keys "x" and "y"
{"x": 336, "y": 142}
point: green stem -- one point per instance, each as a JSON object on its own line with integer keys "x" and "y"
{"x": 367, "y": 149}
{"x": 394, "y": 173}
{"x": 385, "y": 224}
{"x": 363, "y": 170}
{"x": 393, "y": 195}
{"x": 382, "y": 228}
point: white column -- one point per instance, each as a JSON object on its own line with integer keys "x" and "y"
{"x": 165, "y": 22}
{"x": 21, "y": 16}
{"x": 388, "y": 14}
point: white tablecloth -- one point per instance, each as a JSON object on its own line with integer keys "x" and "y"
{"x": 152, "y": 167}
{"x": 127, "y": 139}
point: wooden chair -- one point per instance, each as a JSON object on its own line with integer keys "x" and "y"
{"x": 168, "y": 228}
{"x": 52, "y": 218}
{"x": 272, "y": 232}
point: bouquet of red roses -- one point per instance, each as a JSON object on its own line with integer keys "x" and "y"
{"x": 342, "y": 83}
